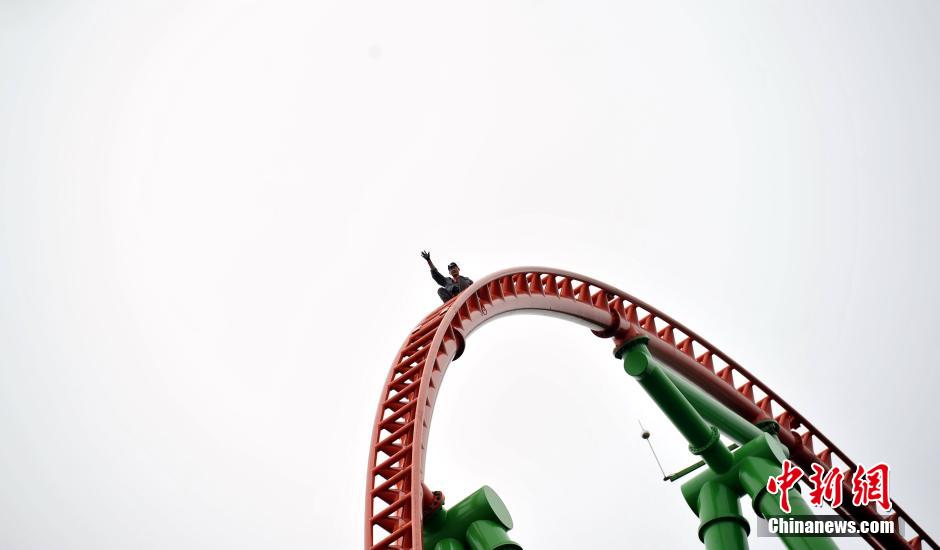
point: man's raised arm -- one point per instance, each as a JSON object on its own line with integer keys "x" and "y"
{"x": 435, "y": 274}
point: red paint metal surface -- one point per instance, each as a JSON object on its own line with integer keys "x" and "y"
{"x": 396, "y": 494}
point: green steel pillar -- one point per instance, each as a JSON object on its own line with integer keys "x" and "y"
{"x": 753, "y": 473}
{"x": 478, "y": 522}
{"x": 721, "y": 527}
{"x": 449, "y": 544}
{"x": 721, "y": 524}
{"x": 713, "y": 412}
{"x": 714, "y": 495}
{"x": 703, "y": 439}
{"x": 755, "y": 462}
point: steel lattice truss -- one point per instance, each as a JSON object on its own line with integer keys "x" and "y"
{"x": 395, "y": 490}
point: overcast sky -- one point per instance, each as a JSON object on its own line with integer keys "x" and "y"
{"x": 211, "y": 213}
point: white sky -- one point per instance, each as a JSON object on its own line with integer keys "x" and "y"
{"x": 210, "y": 218}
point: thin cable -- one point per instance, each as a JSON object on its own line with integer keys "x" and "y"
{"x": 646, "y": 436}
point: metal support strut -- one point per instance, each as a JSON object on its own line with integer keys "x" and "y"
{"x": 714, "y": 495}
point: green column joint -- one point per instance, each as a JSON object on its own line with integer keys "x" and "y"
{"x": 449, "y": 544}
{"x": 721, "y": 525}
{"x": 478, "y": 522}
{"x": 714, "y": 438}
{"x": 692, "y": 467}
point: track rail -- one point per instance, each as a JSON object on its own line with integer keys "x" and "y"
{"x": 395, "y": 489}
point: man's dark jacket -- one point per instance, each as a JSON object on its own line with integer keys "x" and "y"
{"x": 452, "y": 287}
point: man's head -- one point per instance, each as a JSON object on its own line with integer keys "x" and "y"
{"x": 454, "y": 270}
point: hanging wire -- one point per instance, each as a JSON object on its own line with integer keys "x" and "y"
{"x": 646, "y": 435}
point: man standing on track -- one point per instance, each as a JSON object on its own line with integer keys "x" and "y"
{"x": 450, "y": 286}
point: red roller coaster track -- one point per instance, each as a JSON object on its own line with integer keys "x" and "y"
{"x": 395, "y": 481}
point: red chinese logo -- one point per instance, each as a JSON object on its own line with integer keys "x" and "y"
{"x": 827, "y": 486}
{"x": 871, "y": 486}
{"x": 868, "y": 485}
{"x": 784, "y": 482}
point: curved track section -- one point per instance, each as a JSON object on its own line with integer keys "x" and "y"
{"x": 396, "y": 494}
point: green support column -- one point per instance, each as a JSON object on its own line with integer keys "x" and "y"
{"x": 484, "y": 534}
{"x": 478, "y": 522}
{"x": 703, "y": 439}
{"x": 755, "y": 462}
{"x": 713, "y": 412}
{"x": 753, "y": 474}
{"x": 721, "y": 525}
{"x": 714, "y": 495}
{"x": 449, "y": 544}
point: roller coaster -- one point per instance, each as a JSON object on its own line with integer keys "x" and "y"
{"x": 400, "y": 508}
